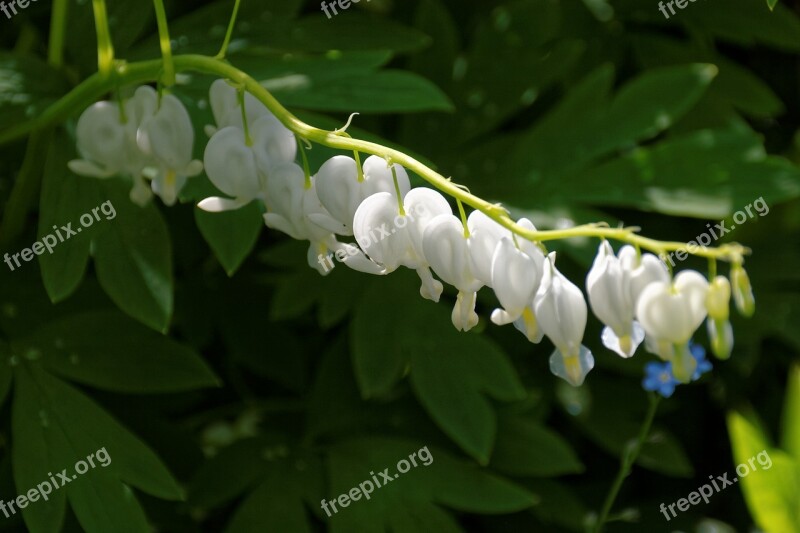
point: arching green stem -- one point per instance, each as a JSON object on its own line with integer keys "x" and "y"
{"x": 105, "y": 48}
{"x": 58, "y": 27}
{"x": 148, "y": 71}
{"x": 229, "y": 33}
{"x": 164, "y": 41}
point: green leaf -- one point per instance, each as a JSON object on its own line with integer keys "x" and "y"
{"x": 133, "y": 259}
{"x": 232, "y": 235}
{"x": 29, "y": 86}
{"x": 277, "y": 504}
{"x": 772, "y": 3}
{"x": 201, "y": 32}
{"x": 488, "y": 92}
{"x": 734, "y": 85}
{"x": 285, "y": 479}
{"x": 525, "y": 448}
{"x": 588, "y": 124}
{"x": 64, "y": 198}
{"x": 559, "y": 505}
{"x": 112, "y": 352}
{"x": 33, "y": 460}
{"x": 649, "y": 104}
{"x": 451, "y": 373}
{"x": 791, "y": 415}
{"x": 413, "y": 496}
{"x": 387, "y": 91}
{"x": 229, "y": 474}
{"x": 706, "y": 174}
{"x": 74, "y": 426}
{"x": 772, "y": 493}
{"x": 351, "y": 31}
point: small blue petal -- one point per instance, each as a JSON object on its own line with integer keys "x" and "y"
{"x": 659, "y": 378}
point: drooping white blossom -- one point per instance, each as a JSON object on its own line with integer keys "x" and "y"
{"x": 562, "y": 312}
{"x": 517, "y": 268}
{"x": 341, "y": 192}
{"x": 290, "y": 201}
{"x": 613, "y": 285}
{"x": 445, "y": 247}
{"x": 239, "y": 169}
{"x": 394, "y": 239}
{"x": 484, "y": 236}
{"x": 167, "y": 138}
{"x": 670, "y": 313}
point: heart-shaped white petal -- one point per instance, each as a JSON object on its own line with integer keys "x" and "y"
{"x": 673, "y": 312}
{"x": 445, "y": 249}
{"x": 515, "y": 278}
{"x": 560, "y": 309}
{"x": 273, "y": 143}
{"x": 642, "y": 271}
{"x": 378, "y": 178}
{"x": 225, "y": 105}
{"x": 376, "y": 232}
{"x": 339, "y": 190}
{"x": 101, "y": 139}
{"x": 422, "y": 205}
{"x": 168, "y": 135}
{"x": 485, "y": 235}
{"x": 231, "y": 165}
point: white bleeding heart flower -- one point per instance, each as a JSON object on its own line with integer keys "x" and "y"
{"x": 102, "y": 141}
{"x": 290, "y": 202}
{"x": 445, "y": 247}
{"x": 231, "y": 166}
{"x": 376, "y": 231}
{"x": 610, "y": 291}
{"x": 341, "y": 192}
{"x": 484, "y": 236}
{"x": 224, "y": 99}
{"x": 642, "y": 271}
{"x": 167, "y": 138}
{"x": 393, "y": 239}
{"x": 240, "y": 169}
{"x": 107, "y": 143}
{"x": 562, "y": 313}
{"x": 516, "y": 276}
{"x": 671, "y": 313}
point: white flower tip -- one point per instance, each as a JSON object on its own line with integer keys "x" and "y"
{"x": 626, "y": 345}
{"x": 572, "y": 368}
{"x": 501, "y": 317}
{"x": 215, "y": 204}
{"x": 431, "y": 291}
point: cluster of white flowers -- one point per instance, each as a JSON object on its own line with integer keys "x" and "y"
{"x": 251, "y": 156}
{"x": 147, "y": 138}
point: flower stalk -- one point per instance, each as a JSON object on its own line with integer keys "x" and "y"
{"x": 148, "y": 71}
